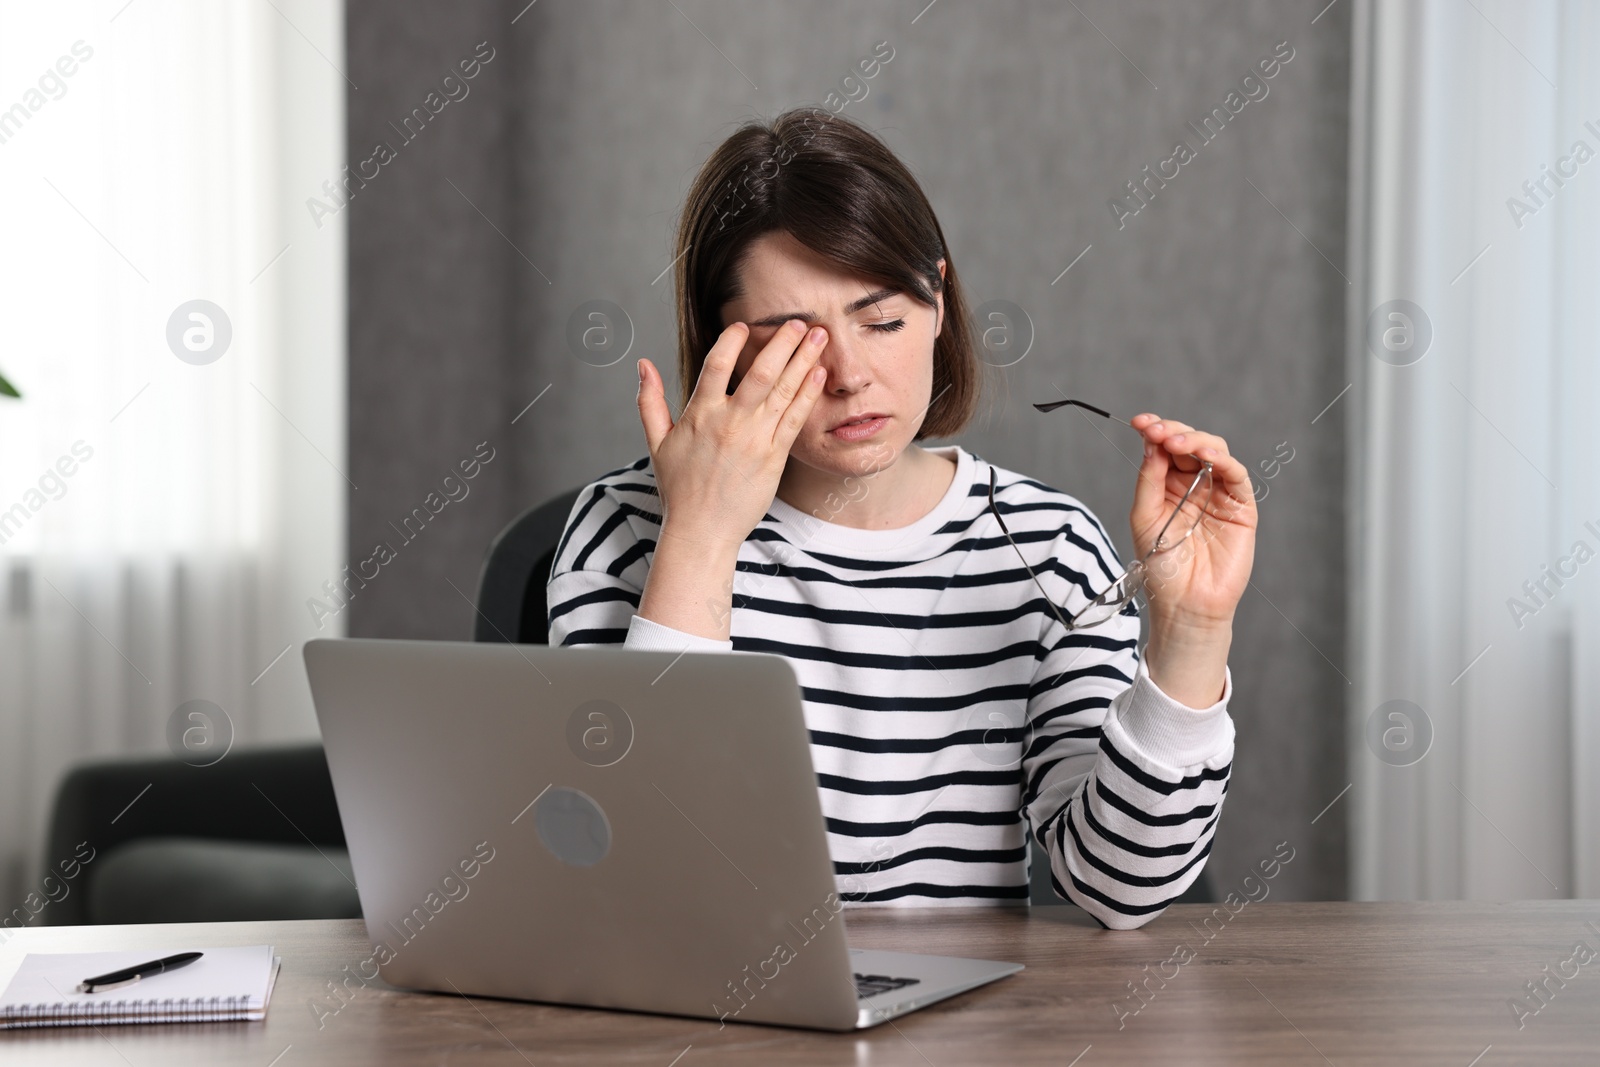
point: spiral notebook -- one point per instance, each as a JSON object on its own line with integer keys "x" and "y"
{"x": 223, "y": 984}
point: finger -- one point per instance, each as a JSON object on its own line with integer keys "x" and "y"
{"x": 794, "y": 375}
{"x": 757, "y": 383}
{"x": 1150, "y": 494}
{"x": 1233, "y": 477}
{"x": 1188, "y": 443}
{"x": 653, "y": 412}
{"x": 718, "y": 366}
{"x": 1157, "y": 430}
{"x": 799, "y": 410}
{"x": 1147, "y": 419}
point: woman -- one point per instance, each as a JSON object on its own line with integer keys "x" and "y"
{"x": 789, "y": 509}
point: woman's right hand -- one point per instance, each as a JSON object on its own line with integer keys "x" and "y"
{"x": 717, "y": 467}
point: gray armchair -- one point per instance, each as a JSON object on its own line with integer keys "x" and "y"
{"x": 255, "y": 835}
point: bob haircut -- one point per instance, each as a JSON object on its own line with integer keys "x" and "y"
{"x": 830, "y": 184}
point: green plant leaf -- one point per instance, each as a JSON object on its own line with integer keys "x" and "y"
{"x": 7, "y": 389}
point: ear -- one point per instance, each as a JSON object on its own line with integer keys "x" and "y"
{"x": 938, "y": 322}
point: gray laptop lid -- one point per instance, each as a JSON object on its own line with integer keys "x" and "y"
{"x": 586, "y": 826}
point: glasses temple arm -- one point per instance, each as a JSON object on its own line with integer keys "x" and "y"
{"x": 1052, "y": 405}
{"x": 1204, "y": 470}
{"x": 1042, "y": 592}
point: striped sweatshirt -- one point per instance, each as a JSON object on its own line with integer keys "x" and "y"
{"x": 949, "y": 712}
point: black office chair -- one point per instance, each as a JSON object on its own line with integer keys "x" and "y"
{"x": 511, "y": 601}
{"x": 257, "y": 834}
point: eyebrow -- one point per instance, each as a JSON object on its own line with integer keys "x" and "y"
{"x": 811, "y": 316}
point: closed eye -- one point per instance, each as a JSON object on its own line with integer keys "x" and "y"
{"x": 887, "y": 327}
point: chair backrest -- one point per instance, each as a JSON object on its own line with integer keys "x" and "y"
{"x": 511, "y": 600}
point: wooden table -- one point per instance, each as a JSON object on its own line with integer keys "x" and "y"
{"x": 1278, "y": 983}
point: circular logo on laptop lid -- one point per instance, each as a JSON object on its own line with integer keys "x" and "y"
{"x": 572, "y": 826}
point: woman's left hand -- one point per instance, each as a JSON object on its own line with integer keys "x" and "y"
{"x": 1194, "y": 587}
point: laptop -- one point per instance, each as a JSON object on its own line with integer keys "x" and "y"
{"x": 600, "y": 827}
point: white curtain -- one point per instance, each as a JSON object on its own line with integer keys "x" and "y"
{"x": 1475, "y": 516}
{"x": 163, "y": 519}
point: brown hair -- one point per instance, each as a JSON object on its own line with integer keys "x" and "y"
{"x": 829, "y": 183}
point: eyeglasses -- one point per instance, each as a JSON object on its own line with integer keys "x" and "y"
{"x": 1124, "y": 589}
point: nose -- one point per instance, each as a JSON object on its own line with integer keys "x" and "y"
{"x": 848, "y": 371}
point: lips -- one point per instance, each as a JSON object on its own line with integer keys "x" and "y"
{"x": 866, "y": 416}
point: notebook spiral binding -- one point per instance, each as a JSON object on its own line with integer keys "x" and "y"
{"x": 168, "y": 1009}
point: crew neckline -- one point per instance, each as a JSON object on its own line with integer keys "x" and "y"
{"x": 806, "y": 531}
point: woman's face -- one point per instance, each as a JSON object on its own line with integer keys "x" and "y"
{"x": 879, "y": 357}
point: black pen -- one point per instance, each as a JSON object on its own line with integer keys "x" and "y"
{"x": 130, "y": 975}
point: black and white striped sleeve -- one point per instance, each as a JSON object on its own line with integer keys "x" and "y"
{"x": 1122, "y": 784}
{"x": 600, "y": 567}
{"x": 602, "y": 558}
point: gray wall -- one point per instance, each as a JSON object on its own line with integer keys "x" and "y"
{"x": 1218, "y": 303}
